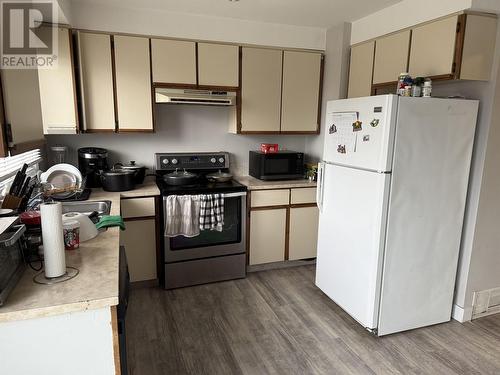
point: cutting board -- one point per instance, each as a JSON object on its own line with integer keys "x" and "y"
{"x": 6, "y": 222}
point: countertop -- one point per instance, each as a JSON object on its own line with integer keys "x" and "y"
{"x": 96, "y": 285}
{"x": 253, "y": 183}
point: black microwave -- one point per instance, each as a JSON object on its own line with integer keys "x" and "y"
{"x": 281, "y": 165}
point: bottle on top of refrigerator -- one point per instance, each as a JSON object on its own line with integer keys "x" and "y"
{"x": 403, "y": 80}
{"x": 416, "y": 89}
{"x": 427, "y": 89}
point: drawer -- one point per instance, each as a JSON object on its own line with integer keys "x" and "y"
{"x": 263, "y": 198}
{"x": 303, "y": 195}
{"x": 138, "y": 207}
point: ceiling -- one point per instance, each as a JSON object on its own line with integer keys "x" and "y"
{"x": 316, "y": 13}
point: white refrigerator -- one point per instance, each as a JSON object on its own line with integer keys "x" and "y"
{"x": 392, "y": 189}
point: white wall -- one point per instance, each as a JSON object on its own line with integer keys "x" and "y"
{"x": 334, "y": 81}
{"x": 402, "y": 15}
{"x": 180, "y": 128}
{"x": 93, "y": 16}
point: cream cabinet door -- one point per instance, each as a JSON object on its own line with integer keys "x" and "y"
{"x": 303, "y": 237}
{"x": 218, "y": 64}
{"x": 21, "y": 92}
{"x": 391, "y": 57}
{"x": 479, "y": 47}
{"x": 139, "y": 239}
{"x": 96, "y": 81}
{"x": 267, "y": 236}
{"x": 361, "y": 70}
{"x": 173, "y": 61}
{"x": 133, "y": 83}
{"x": 300, "y": 93}
{"x": 433, "y": 48}
{"x": 261, "y": 90}
{"x": 57, "y": 90}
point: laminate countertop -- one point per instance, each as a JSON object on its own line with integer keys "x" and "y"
{"x": 96, "y": 285}
{"x": 253, "y": 183}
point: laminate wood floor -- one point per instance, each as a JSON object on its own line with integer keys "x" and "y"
{"x": 278, "y": 322}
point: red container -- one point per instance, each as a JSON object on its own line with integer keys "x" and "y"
{"x": 268, "y": 148}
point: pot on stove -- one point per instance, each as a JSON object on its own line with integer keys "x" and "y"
{"x": 180, "y": 177}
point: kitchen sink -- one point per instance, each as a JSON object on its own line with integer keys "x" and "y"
{"x": 87, "y": 208}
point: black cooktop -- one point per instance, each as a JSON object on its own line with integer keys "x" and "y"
{"x": 201, "y": 186}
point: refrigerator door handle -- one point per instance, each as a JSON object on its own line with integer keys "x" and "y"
{"x": 319, "y": 189}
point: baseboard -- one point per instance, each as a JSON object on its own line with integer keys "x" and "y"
{"x": 461, "y": 314}
{"x": 278, "y": 265}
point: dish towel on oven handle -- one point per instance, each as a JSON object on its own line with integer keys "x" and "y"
{"x": 212, "y": 212}
{"x": 182, "y": 215}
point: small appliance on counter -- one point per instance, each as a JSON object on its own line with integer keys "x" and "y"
{"x": 281, "y": 165}
{"x": 12, "y": 263}
{"x": 92, "y": 160}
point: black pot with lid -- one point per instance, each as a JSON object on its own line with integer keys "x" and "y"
{"x": 140, "y": 170}
{"x": 180, "y": 177}
{"x": 118, "y": 179}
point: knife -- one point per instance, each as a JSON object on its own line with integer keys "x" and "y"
{"x": 24, "y": 169}
{"x": 24, "y": 187}
{"x": 15, "y": 183}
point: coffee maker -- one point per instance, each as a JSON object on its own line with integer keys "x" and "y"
{"x": 92, "y": 160}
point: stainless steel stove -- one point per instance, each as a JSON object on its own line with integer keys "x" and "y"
{"x": 210, "y": 256}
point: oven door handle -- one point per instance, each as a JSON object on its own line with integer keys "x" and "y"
{"x": 20, "y": 229}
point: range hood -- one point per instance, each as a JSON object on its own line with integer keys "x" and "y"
{"x": 190, "y": 96}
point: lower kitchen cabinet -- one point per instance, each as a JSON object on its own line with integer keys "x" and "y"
{"x": 139, "y": 239}
{"x": 267, "y": 235}
{"x": 303, "y": 232}
{"x": 283, "y": 225}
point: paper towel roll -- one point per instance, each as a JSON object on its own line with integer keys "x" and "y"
{"x": 53, "y": 239}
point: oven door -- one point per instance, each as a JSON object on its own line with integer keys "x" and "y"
{"x": 211, "y": 243}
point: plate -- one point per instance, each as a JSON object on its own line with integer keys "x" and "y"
{"x": 61, "y": 176}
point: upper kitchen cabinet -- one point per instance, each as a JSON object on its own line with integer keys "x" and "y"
{"x": 23, "y": 116}
{"x": 133, "y": 83}
{"x": 433, "y": 48}
{"x": 391, "y": 57}
{"x": 173, "y": 62}
{"x": 456, "y": 47}
{"x": 218, "y": 65}
{"x": 478, "y": 47}
{"x": 96, "y": 82}
{"x": 361, "y": 69}
{"x": 261, "y": 71}
{"x": 57, "y": 90}
{"x": 300, "y": 92}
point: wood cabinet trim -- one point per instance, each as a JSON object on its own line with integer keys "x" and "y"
{"x": 320, "y": 95}
{"x": 138, "y": 218}
{"x": 113, "y": 69}
{"x": 263, "y": 208}
{"x": 116, "y": 341}
{"x": 287, "y": 234}
{"x": 73, "y": 77}
{"x": 459, "y": 45}
{"x": 3, "y": 123}
{"x": 160, "y": 269}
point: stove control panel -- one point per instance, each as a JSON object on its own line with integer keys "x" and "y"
{"x": 201, "y": 160}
